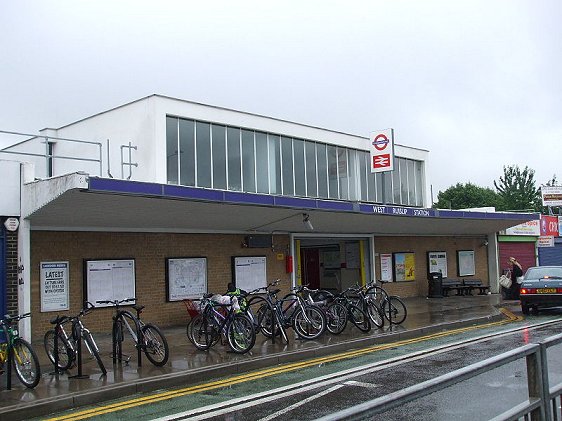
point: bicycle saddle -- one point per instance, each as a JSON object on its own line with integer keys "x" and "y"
{"x": 59, "y": 320}
{"x": 138, "y": 307}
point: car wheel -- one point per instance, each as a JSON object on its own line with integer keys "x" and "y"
{"x": 525, "y": 309}
{"x": 535, "y": 310}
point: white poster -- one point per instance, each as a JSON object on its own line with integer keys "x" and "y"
{"x": 187, "y": 278}
{"x": 109, "y": 280}
{"x": 551, "y": 195}
{"x": 465, "y": 261}
{"x": 250, "y": 272}
{"x": 438, "y": 262}
{"x": 54, "y": 286}
{"x": 386, "y": 267}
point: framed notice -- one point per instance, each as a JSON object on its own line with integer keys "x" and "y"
{"x": 54, "y": 286}
{"x": 386, "y": 267}
{"x": 109, "y": 280}
{"x": 249, "y": 273}
{"x": 404, "y": 267}
{"x": 186, "y": 277}
{"x": 465, "y": 262}
{"x": 437, "y": 262}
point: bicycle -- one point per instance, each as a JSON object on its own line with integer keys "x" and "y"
{"x": 357, "y": 316}
{"x": 276, "y": 315}
{"x": 334, "y": 311}
{"x": 67, "y": 345}
{"x": 217, "y": 320}
{"x": 392, "y": 306}
{"x": 16, "y": 349}
{"x": 147, "y": 337}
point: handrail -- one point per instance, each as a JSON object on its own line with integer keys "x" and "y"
{"x": 539, "y": 403}
{"x": 47, "y": 154}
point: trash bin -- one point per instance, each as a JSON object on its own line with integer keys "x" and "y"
{"x": 435, "y": 287}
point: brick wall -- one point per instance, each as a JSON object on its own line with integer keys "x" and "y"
{"x": 149, "y": 251}
{"x": 420, "y": 246}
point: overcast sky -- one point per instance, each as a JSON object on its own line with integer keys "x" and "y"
{"x": 477, "y": 83}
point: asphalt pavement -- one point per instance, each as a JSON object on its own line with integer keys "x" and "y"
{"x": 188, "y": 366}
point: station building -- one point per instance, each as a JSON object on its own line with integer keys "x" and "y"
{"x": 164, "y": 199}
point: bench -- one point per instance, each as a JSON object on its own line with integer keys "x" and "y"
{"x": 454, "y": 284}
{"x": 473, "y": 284}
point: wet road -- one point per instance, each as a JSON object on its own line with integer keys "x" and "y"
{"x": 309, "y": 390}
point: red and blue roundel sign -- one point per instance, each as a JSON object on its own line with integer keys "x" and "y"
{"x": 382, "y": 150}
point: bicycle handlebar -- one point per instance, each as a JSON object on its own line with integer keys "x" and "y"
{"x": 9, "y": 319}
{"x": 115, "y": 302}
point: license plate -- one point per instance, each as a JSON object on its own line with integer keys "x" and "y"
{"x": 546, "y": 291}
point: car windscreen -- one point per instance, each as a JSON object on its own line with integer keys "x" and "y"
{"x": 544, "y": 272}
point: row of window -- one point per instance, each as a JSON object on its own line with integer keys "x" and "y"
{"x": 230, "y": 158}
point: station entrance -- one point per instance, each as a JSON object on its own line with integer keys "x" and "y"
{"x": 333, "y": 264}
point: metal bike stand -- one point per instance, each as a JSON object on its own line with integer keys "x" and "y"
{"x": 79, "y": 360}
{"x": 56, "y": 356}
{"x": 9, "y": 366}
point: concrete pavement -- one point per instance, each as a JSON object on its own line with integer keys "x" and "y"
{"x": 188, "y": 366}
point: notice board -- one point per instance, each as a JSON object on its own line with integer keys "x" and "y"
{"x": 186, "y": 277}
{"x": 249, "y": 273}
{"x": 109, "y": 280}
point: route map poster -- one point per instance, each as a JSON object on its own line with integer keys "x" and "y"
{"x": 465, "y": 262}
{"x": 186, "y": 277}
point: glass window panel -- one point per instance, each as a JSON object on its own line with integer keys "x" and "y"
{"x": 364, "y": 185}
{"x": 261, "y": 163}
{"x": 187, "y": 152}
{"x": 402, "y": 164}
{"x": 322, "y": 161}
{"x": 411, "y": 183}
{"x": 343, "y": 173}
{"x": 333, "y": 172}
{"x": 396, "y": 185}
{"x": 172, "y": 150}
{"x": 274, "y": 164}
{"x": 352, "y": 174}
{"x": 300, "y": 169}
{"x": 388, "y": 196}
{"x": 233, "y": 148}
{"x": 310, "y": 152}
{"x": 219, "y": 156}
{"x": 203, "y": 133}
{"x": 248, "y": 161}
{"x": 287, "y": 163}
{"x": 419, "y": 183}
{"x": 379, "y": 188}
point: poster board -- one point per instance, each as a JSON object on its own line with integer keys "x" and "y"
{"x": 465, "y": 262}
{"x": 249, "y": 272}
{"x": 186, "y": 277}
{"x": 54, "y": 286}
{"x": 437, "y": 262}
{"x": 404, "y": 266}
{"x": 109, "y": 280}
{"x": 386, "y": 267}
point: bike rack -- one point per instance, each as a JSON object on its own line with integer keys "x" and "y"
{"x": 9, "y": 365}
{"x": 118, "y": 345}
{"x": 78, "y": 340}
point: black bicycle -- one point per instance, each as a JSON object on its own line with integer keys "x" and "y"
{"x": 67, "y": 345}
{"x": 146, "y": 337}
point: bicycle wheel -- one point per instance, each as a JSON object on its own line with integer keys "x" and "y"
{"x": 359, "y": 318}
{"x": 93, "y": 348}
{"x": 65, "y": 352}
{"x": 26, "y": 363}
{"x": 266, "y": 320}
{"x": 201, "y": 333}
{"x": 155, "y": 345}
{"x": 240, "y": 334}
{"x": 309, "y": 322}
{"x": 394, "y": 310}
{"x": 336, "y": 318}
{"x": 252, "y": 308}
{"x": 374, "y": 297}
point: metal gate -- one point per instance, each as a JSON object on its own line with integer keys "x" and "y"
{"x": 551, "y": 256}
{"x": 523, "y": 252}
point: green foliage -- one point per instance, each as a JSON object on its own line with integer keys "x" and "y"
{"x": 517, "y": 190}
{"x": 462, "y": 196}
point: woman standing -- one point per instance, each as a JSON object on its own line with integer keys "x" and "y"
{"x": 516, "y": 272}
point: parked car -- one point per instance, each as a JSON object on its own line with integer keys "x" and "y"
{"x": 541, "y": 288}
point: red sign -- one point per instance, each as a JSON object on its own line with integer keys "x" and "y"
{"x": 382, "y": 151}
{"x": 549, "y": 225}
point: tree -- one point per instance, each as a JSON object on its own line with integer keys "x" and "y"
{"x": 462, "y": 196}
{"x": 517, "y": 190}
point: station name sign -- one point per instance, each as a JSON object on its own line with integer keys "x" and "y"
{"x": 399, "y": 211}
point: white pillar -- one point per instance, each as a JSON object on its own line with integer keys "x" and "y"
{"x": 493, "y": 268}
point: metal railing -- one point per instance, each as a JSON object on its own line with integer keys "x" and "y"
{"x": 543, "y": 402}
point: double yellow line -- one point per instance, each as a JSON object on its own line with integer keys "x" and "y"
{"x": 256, "y": 375}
